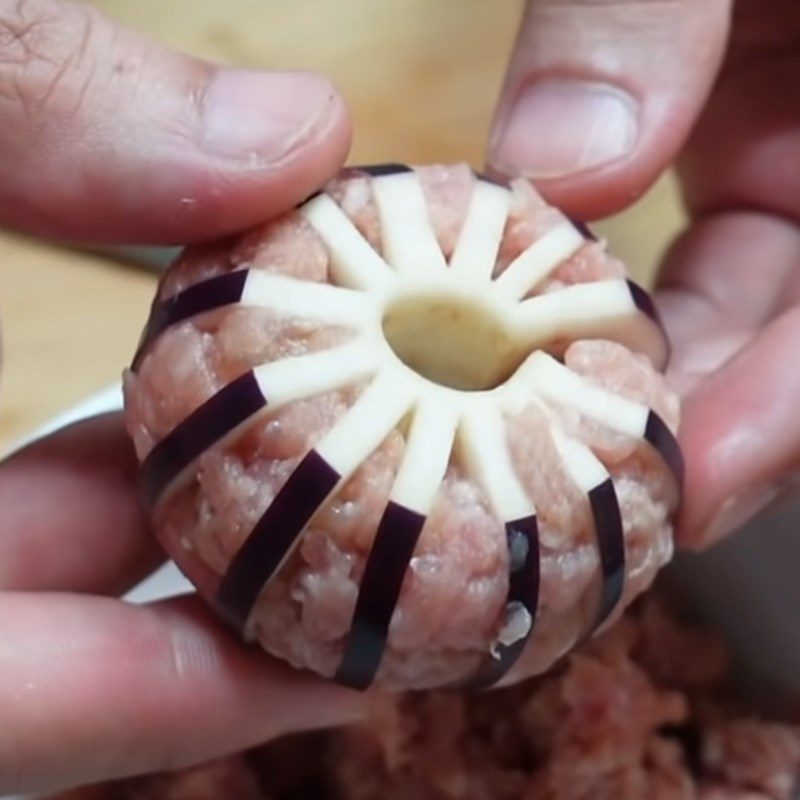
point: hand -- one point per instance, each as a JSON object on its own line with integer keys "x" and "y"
{"x": 599, "y": 99}
{"x": 105, "y": 136}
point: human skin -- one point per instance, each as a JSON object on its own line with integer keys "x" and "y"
{"x": 107, "y": 136}
{"x": 710, "y": 86}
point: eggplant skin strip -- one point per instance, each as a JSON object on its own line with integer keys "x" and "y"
{"x": 523, "y": 587}
{"x": 664, "y": 442}
{"x": 206, "y": 425}
{"x": 611, "y": 546}
{"x": 274, "y": 536}
{"x": 207, "y": 295}
{"x": 397, "y": 536}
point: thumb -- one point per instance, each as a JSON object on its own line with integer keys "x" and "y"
{"x": 105, "y": 135}
{"x": 601, "y": 94}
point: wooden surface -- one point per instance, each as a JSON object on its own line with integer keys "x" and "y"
{"x": 421, "y": 77}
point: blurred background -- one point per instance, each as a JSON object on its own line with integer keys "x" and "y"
{"x": 421, "y": 77}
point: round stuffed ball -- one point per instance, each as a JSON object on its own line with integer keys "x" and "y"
{"x": 412, "y": 433}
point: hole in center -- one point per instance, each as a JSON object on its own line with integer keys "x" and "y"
{"x": 451, "y": 341}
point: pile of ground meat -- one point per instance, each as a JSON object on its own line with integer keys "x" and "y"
{"x": 641, "y": 712}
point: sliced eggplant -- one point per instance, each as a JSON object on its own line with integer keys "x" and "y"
{"x": 523, "y": 334}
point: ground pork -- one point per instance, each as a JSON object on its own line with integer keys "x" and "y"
{"x": 452, "y": 603}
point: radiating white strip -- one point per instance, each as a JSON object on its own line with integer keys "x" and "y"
{"x": 366, "y": 423}
{"x": 308, "y": 300}
{"x": 579, "y": 462}
{"x": 538, "y": 260}
{"x": 297, "y": 377}
{"x": 595, "y": 309}
{"x": 476, "y": 251}
{"x": 407, "y": 237}
{"x": 554, "y": 382}
{"x": 427, "y": 455}
{"x": 354, "y": 262}
{"x": 482, "y": 436}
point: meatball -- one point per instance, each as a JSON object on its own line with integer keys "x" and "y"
{"x": 413, "y": 432}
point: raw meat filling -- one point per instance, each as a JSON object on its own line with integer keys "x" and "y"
{"x": 477, "y": 540}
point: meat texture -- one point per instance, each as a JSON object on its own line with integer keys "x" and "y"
{"x": 452, "y": 605}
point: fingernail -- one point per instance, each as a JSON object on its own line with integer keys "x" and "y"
{"x": 557, "y": 127}
{"x": 737, "y": 510}
{"x": 261, "y": 117}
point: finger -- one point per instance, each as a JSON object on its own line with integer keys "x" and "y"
{"x": 70, "y": 515}
{"x": 745, "y": 151}
{"x": 600, "y": 96}
{"x": 105, "y": 135}
{"x": 741, "y": 436}
{"x": 721, "y": 285}
{"x": 736, "y": 270}
{"x": 721, "y": 281}
{"x": 93, "y": 689}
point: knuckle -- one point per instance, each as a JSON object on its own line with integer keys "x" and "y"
{"x": 46, "y": 61}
